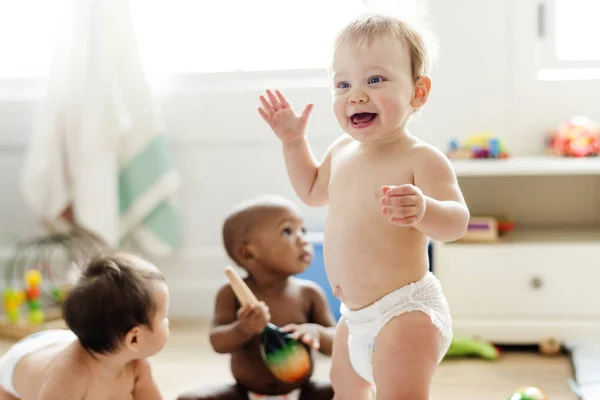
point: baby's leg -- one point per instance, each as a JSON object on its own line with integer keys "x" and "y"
{"x": 347, "y": 384}
{"x": 215, "y": 392}
{"x": 4, "y": 395}
{"x": 317, "y": 390}
{"x": 405, "y": 357}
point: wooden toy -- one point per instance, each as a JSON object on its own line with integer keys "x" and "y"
{"x": 528, "y": 393}
{"x": 549, "y": 346}
{"x": 487, "y": 229}
{"x": 288, "y": 359}
{"x": 37, "y": 277}
{"x": 481, "y": 229}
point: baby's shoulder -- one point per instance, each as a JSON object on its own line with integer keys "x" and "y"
{"x": 425, "y": 153}
{"x": 341, "y": 142}
{"x": 225, "y": 295}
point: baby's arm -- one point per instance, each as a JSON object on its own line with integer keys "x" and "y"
{"x": 309, "y": 178}
{"x": 145, "y": 387}
{"x": 227, "y": 334}
{"x": 446, "y": 214}
{"x": 320, "y": 329}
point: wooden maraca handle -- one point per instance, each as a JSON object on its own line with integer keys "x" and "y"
{"x": 241, "y": 290}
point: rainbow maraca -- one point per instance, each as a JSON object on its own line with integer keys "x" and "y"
{"x": 288, "y": 359}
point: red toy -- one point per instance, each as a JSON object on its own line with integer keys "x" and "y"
{"x": 577, "y": 137}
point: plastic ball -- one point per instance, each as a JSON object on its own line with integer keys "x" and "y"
{"x": 13, "y": 315}
{"x": 33, "y": 278}
{"x": 58, "y": 295}
{"x": 35, "y": 304}
{"x": 36, "y": 317}
{"x": 13, "y": 299}
{"x": 528, "y": 393}
{"x": 33, "y": 292}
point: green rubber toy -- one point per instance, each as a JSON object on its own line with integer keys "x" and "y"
{"x": 528, "y": 393}
{"x": 463, "y": 347}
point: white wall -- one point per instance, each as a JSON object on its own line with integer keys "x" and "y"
{"x": 485, "y": 80}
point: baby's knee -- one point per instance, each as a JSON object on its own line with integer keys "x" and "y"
{"x": 349, "y": 386}
{"x": 402, "y": 393}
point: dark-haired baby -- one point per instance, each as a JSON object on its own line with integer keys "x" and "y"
{"x": 117, "y": 318}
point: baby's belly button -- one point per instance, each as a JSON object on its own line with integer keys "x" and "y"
{"x": 337, "y": 291}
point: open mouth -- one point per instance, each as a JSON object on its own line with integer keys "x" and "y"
{"x": 362, "y": 120}
{"x": 306, "y": 257}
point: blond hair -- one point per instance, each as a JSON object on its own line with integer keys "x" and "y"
{"x": 419, "y": 41}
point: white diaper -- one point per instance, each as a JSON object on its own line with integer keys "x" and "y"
{"x": 293, "y": 395}
{"x": 364, "y": 325}
{"x": 26, "y": 346}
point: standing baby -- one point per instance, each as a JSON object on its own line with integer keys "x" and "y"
{"x": 388, "y": 192}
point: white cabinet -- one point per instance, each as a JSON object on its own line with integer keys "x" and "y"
{"x": 542, "y": 280}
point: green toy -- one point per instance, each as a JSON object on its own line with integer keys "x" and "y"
{"x": 464, "y": 347}
{"x": 528, "y": 393}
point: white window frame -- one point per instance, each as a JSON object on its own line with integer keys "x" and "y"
{"x": 550, "y": 67}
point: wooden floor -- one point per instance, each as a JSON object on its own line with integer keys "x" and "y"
{"x": 188, "y": 361}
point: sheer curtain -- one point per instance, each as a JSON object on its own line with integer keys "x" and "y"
{"x": 97, "y": 158}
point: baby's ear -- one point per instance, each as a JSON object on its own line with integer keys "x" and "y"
{"x": 422, "y": 89}
{"x": 247, "y": 252}
{"x": 132, "y": 339}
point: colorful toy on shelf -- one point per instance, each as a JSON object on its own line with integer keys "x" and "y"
{"x": 468, "y": 347}
{"x": 12, "y": 304}
{"x": 33, "y": 282}
{"x": 38, "y": 275}
{"x": 484, "y": 145}
{"x": 487, "y": 229}
{"x": 528, "y": 393}
{"x": 578, "y": 136}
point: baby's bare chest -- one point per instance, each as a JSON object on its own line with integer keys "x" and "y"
{"x": 357, "y": 177}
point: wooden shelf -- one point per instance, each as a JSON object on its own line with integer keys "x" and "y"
{"x": 550, "y": 234}
{"x": 532, "y": 165}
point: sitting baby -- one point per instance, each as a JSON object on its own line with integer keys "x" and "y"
{"x": 117, "y": 317}
{"x": 266, "y": 237}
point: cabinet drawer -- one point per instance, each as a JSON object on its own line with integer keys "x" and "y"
{"x": 520, "y": 280}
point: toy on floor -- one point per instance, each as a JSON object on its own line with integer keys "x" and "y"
{"x": 288, "y": 359}
{"x": 578, "y": 136}
{"x": 528, "y": 393}
{"x": 550, "y": 346}
{"x": 484, "y": 145}
{"x": 467, "y": 347}
{"x": 36, "y": 281}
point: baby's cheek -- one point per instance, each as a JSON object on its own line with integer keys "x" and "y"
{"x": 394, "y": 107}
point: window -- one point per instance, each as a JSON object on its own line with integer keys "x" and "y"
{"x": 577, "y": 30}
{"x": 191, "y": 36}
{"x": 188, "y": 36}
{"x": 28, "y": 33}
{"x": 568, "y": 34}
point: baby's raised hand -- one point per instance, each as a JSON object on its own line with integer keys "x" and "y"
{"x": 253, "y": 319}
{"x": 282, "y": 118}
{"x": 306, "y": 333}
{"x": 404, "y": 204}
